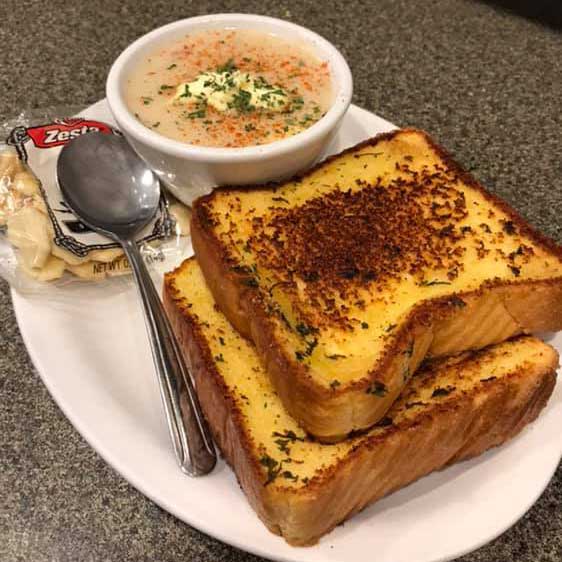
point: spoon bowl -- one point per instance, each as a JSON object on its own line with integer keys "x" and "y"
{"x": 119, "y": 197}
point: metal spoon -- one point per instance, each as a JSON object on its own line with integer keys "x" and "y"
{"x": 113, "y": 191}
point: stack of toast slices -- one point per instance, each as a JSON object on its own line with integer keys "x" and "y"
{"x": 362, "y": 325}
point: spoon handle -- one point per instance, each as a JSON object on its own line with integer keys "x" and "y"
{"x": 190, "y": 434}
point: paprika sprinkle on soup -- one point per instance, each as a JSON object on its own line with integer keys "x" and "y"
{"x": 230, "y": 88}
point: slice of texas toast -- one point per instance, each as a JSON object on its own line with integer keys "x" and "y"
{"x": 450, "y": 410}
{"x": 347, "y": 277}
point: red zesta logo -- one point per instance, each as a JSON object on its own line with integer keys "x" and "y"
{"x": 63, "y": 131}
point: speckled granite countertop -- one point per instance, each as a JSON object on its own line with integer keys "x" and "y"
{"x": 485, "y": 82}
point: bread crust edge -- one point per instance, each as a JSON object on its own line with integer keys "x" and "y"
{"x": 330, "y": 414}
{"x": 458, "y": 430}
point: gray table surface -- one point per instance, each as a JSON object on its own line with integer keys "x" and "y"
{"x": 486, "y": 83}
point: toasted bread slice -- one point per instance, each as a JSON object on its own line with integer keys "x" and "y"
{"x": 451, "y": 410}
{"x": 347, "y": 277}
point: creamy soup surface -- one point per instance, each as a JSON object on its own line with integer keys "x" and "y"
{"x": 230, "y": 88}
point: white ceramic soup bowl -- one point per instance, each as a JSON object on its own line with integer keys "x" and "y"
{"x": 189, "y": 170}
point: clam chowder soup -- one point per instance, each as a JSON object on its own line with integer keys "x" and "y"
{"x": 230, "y": 88}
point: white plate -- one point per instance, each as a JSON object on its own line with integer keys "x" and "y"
{"x": 96, "y": 364}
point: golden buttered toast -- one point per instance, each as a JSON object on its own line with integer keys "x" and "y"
{"x": 347, "y": 277}
{"x": 451, "y": 409}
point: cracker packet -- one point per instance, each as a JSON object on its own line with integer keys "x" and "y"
{"x": 43, "y": 245}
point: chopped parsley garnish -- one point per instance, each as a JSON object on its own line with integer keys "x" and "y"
{"x": 250, "y": 282}
{"x": 289, "y": 434}
{"x": 310, "y": 345}
{"x": 186, "y": 92}
{"x": 305, "y": 330}
{"x": 284, "y": 439}
{"x": 442, "y": 391}
{"x": 409, "y": 351}
{"x": 457, "y": 301}
{"x": 241, "y": 102}
{"x": 273, "y": 468}
{"x": 289, "y": 475}
{"x": 228, "y": 67}
{"x": 427, "y": 283}
{"x": 244, "y": 92}
{"x": 297, "y": 103}
{"x": 197, "y": 114}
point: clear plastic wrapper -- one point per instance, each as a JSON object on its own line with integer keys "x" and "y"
{"x": 44, "y": 247}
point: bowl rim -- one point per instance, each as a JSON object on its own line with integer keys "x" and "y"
{"x": 131, "y": 126}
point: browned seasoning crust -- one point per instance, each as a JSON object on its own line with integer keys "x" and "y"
{"x": 438, "y": 326}
{"x": 453, "y": 428}
{"x": 448, "y": 160}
